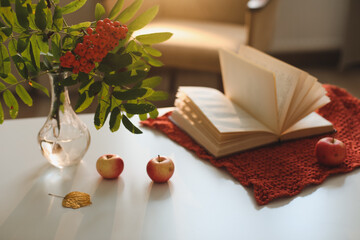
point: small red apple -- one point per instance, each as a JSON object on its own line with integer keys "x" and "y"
{"x": 160, "y": 169}
{"x": 109, "y": 166}
{"x": 330, "y": 151}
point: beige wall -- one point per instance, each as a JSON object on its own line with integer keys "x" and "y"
{"x": 309, "y": 25}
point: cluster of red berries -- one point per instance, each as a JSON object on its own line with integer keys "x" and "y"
{"x": 95, "y": 46}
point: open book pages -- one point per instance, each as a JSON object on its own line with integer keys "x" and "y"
{"x": 265, "y": 100}
{"x": 222, "y": 127}
{"x": 270, "y": 90}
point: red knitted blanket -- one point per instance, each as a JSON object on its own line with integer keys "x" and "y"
{"x": 284, "y": 169}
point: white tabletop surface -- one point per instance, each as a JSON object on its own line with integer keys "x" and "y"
{"x": 199, "y": 202}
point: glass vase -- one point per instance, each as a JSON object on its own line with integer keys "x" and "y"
{"x": 64, "y": 138}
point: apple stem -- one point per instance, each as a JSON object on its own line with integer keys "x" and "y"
{"x": 333, "y": 140}
{"x": 159, "y": 159}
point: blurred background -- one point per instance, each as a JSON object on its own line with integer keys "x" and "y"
{"x": 321, "y": 37}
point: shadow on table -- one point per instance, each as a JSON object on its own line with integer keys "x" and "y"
{"x": 36, "y": 217}
{"x": 333, "y": 181}
{"x": 159, "y": 216}
{"x": 102, "y": 220}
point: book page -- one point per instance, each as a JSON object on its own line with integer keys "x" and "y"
{"x": 286, "y": 76}
{"x": 215, "y": 111}
{"x": 312, "y": 124}
{"x": 216, "y": 148}
{"x": 251, "y": 87}
{"x": 315, "y": 99}
{"x": 302, "y": 89}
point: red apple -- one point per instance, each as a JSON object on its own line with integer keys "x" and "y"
{"x": 160, "y": 169}
{"x": 330, "y": 151}
{"x": 109, "y": 166}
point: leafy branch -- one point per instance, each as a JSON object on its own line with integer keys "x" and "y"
{"x": 36, "y": 37}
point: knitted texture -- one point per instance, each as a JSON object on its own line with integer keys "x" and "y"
{"x": 284, "y": 169}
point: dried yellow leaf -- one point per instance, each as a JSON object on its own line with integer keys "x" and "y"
{"x": 76, "y": 200}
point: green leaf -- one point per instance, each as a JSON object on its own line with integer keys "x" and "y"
{"x": 143, "y": 116}
{"x": 131, "y": 47}
{"x": 130, "y": 94}
{"x": 2, "y": 86}
{"x": 84, "y": 86}
{"x": 117, "y": 79}
{"x": 73, "y": 6}
{"x": 79, "y": 26}
{"x": 69, "y": 81}
{"x": 142, "y": 20}
{"x": 149, "y": 92}
{"x": 18, "y": 59}
{"x": 104, "y": 107}
{"x": 41, "y": 44}
{"x": 115, "y": 119}
{"x": 5, "y": 3}
{"x": 5, "y": 64}
{"x": 154, "y": 62}
{"x": 142, "y": 108}
{"x": 99, "y": 11}
{"x": 154, "y": 38}
{"x": 1, "y": 114}
{"x": 7, "y": 13}
{"x": 124, "y": 78}
{"x": 97, "y": 122}
{"x": 95, "y": 88}
{"x": 40, "y": 16}
{"x": 21, "y": 14}
{"x": 24, "y": 95}
{"x": 55, "y": 46}
{"x": 32, "y": 24}
{"x": 35, "y": 51}
{"x": 158, "y": 96}
{"x": 80, "y": 101}
{"x": 68, "y": 43}
{"x": 22, "y": 43}
{"x": 5, "y": 32}
{"x": 10, "y": 79}
{"x": 83, "y": 102}
{"x": 101, "y": 113}
{"x": 17, "y": 27}
{"x": 46, "y": 65}
{"x": 129, "y": 126}
{"x": 152, "y": 51}
{"x": 11, "y": 102}
{"x": 37, "y": 85}
{"x": 129, "y": 12}
{"x": 58, "y": 19}
{"x": 139, "y": 76}
{"x": 49, "y": 18}
{"x": 151, "y": 82}
{"x": 153, "y": 114}
{"x": 117, "y": 61}
{"x": 116, "y": 9}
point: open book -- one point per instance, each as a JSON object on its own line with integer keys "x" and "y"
{"x": 265, "y": 101}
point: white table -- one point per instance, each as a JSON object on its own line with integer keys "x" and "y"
{"x": 199, "y": 202}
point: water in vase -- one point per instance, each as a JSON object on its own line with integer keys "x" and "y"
{"x": 62, "y": 152}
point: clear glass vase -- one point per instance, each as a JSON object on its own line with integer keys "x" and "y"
{"x": 64, "y": 138}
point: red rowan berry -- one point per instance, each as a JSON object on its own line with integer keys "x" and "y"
{"x": 100, "y": 29}
{"x": 83, "y": 61}
{"x": 89, "y": 30}
{"x": 70, "y": 58}
{"x": 100, "y": 23}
